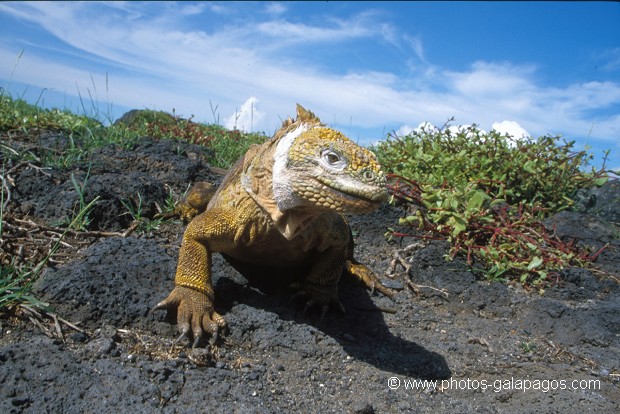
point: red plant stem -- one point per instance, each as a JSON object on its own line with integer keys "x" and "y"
{"x": 595, "y": 256}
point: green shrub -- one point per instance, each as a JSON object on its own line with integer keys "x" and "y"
{"x": 486, "y": 193}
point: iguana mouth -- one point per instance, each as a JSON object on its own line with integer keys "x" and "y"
{"x": 357, "y": 189}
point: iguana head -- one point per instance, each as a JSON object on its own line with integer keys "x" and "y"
{"x": 318, "y": 168}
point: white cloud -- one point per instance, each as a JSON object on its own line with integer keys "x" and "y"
{"x": 245, "y": 118}
{"x": 284, "y": 32}
{"x": 192, "y": 9}
{"x": 511, "y": 128}
{"x": 610, "y": 60}
{"x": 275, "y": 8}
{"x": 416, "y": 45}
{"x": 405, "y": 130}
{"x": 491, "y": 79}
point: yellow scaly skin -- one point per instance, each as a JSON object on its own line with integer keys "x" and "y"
{"x": 280, "y": 205}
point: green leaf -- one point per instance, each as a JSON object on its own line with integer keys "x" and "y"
{"x": 476, "y": 200}
{"x": 600, "y": 181}
{"x": 506, "y": 247}
{"x": 536, "y": 261}
{"x": 459, "y": 225}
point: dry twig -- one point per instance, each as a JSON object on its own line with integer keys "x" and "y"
{"x": 48, "y": 322}
{"x": 401, "y": 257}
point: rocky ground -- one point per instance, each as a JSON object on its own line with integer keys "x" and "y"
{"x": 491, "y": 348}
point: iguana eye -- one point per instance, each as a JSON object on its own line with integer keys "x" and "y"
{"x": 333, "y": 160}
{"x": 331, "y": 157}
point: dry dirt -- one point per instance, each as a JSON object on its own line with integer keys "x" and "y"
{"x": 451, "y": 344}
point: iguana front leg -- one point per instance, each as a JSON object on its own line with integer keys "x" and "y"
{"x": 193, "y": 295}
{"x": 321, "y": 285}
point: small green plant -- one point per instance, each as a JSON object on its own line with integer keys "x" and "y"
{"x": 486, "y": 193}
{"x": 542, "y": 171}
{"x": 134, "y": 209}
{"x": 171, "y": 202}
{"x": 25, "y": 121}
{"x": 230, "y": 146}
{"x": 2, "y": 202}
{"x": 80, "y": 219}
{"x": 528, "y": 347}
{"x": 13, "y": 288}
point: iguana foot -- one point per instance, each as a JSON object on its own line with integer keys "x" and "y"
{"x": 367, "y": 276}
{"x": 196, "y": 201}
{"x": 324, "y": 296}
{"x": 194, "y": 313}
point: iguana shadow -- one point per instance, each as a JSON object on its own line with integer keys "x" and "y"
{"x": 362, "y": 331}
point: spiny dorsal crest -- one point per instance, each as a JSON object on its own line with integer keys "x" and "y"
{"x": 303, "y": 117}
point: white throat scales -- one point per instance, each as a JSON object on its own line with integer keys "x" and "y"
{"x": 282, "y": 191}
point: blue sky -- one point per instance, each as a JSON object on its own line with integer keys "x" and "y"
{"x": 366, "y": 68}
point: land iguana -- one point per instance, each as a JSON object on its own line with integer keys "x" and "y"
{"x": 280, "y": 205}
